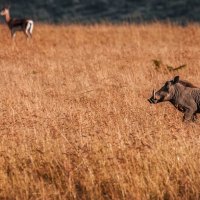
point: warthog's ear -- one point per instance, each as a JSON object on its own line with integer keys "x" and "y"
{"x": 176, "y": 79}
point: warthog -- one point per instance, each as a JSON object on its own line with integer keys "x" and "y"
{"x": 182, "y": 94}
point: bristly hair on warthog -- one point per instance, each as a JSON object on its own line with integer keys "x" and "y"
{"x": 182, "y": 94}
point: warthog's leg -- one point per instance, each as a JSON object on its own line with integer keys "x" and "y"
{"x": 194, "y": 117}
{"x": 189, "y": 114}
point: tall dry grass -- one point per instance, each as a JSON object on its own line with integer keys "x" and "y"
{"x": 74, "y": 118}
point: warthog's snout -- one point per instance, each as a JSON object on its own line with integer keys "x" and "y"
{"x": 153, "y": 98}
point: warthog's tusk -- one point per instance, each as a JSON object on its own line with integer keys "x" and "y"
{"x": 154, "y": 94}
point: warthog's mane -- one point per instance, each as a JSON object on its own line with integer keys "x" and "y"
{"x": 187, "y": 84}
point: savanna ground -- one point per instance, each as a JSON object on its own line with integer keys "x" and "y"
{"x": 75, "y": 122}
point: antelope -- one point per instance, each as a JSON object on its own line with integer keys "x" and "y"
{"x": 25, "y": 25}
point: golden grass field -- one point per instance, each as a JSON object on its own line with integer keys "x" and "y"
{"x": 75, "y": 122}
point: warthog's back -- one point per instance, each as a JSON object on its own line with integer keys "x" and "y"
{"x": 195, "y": 93}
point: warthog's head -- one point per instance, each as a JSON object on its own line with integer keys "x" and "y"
{"x": 165, "y": 93}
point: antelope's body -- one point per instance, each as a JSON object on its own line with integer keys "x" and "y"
{"x": 25, "y": 25}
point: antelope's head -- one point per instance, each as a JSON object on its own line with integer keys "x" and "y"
{"x": 4, "y": 11}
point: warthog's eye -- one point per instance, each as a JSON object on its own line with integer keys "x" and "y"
{"x": 167, "y": 86}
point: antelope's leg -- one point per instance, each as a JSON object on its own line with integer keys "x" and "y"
{"x": 13, "y": 34}
{"x": 27, "y": 34}
{"x": 29, "y": 28}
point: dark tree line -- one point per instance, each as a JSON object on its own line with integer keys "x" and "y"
{"x": 89, "y": 11}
